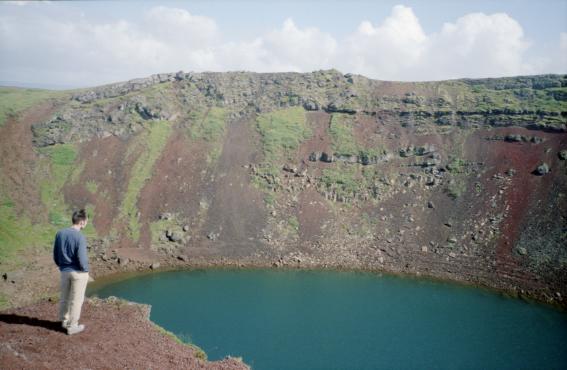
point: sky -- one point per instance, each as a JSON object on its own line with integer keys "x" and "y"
{"x": 88, "y": 43}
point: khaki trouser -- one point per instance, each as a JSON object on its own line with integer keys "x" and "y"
{"x": 73, "y": 286}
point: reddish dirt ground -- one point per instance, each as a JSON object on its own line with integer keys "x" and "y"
{"x": 320, "y": 140}
{"x": 237, "y": 212}
{"x": 105, "y": 165}
{"x": 175, "y": 184}
{"x": 525, "y": 189}
{"x": 313, "y": 211}
{"x": 312, "y": 215}
{"x": 118, "y": 335}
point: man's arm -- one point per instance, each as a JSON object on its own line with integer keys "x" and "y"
{"x": 82, "y": 254}
{"x": 55, "y": 251}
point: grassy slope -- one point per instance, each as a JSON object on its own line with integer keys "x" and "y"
{"x": 14, "y": 100}
{"x": 210, "y": 126}
{"x": 281, "y": 132}
{"x": 16, "y": 230}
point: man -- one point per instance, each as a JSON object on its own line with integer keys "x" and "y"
{"x": 70, "y": 255}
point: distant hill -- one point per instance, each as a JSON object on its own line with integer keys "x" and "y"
{"x": 29, "y": 85}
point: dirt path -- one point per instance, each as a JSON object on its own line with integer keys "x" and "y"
{"x": 118, "y": 335}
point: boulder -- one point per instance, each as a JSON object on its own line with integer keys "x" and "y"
{"x": 514, "y": 138}
{"x": 155, "y": 265}
{"x": 310, "y": 105}
{"x": 424, "y": 150}
{"x": 327, "y": 158}
{"x": 563, "y": 154}
{"x": 290, "y": 168}
{"x": 165, "y": 216}
{"x": 175, "y": 236}
{"x": 542, "y": 169}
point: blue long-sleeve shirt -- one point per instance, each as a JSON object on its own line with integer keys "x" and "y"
{"x": 70, "y": 250}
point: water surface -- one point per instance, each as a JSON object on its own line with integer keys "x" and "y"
{"x": 345, "y": 320}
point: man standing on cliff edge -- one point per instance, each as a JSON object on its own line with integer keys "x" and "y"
{"x": 70, "y": 255}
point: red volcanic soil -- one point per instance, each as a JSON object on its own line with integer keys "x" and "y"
{"x": 118, "y": 335}
{"x": 237, "y": 210}
{"x": 104, "y": 159}
{"x": 177, "y": 178}
{"x": 525, "y": 188}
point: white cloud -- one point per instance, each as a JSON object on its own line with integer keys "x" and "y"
{"x": 65, "y": 48}
{"x": 479, "y": 44}
{"x": 387, "y": 50}
{"x": 80, "y": 52}
{"x": 178, "y": 27}
{"x": 300, "y": 49}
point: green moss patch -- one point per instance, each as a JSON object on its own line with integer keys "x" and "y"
{"x": 17, "y": 233}
{"x": 282, "y": 132}
{"x": 210, "y": 126}
{"x": 60, "y": 160}
{"x": 341, "y": 130}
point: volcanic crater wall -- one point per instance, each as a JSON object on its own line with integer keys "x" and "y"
{"x": 460, "y": 179}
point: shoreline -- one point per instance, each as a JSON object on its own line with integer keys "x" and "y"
{"x": 176, "y": 265}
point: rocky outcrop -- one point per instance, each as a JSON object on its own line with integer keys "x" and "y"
{"x": 361, "y": 158}
{"x": 516, "y": 138}
{"x": 119, "y": 109}
{"x": 123, "y": 88}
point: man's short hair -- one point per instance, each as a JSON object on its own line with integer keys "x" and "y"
{"x": 78, "y": 216}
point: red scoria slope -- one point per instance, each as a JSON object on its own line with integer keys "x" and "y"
{"x": 118, "y": 335}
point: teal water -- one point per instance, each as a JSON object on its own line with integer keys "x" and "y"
{"x": 346, "y": 320}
